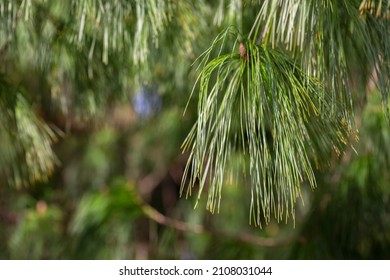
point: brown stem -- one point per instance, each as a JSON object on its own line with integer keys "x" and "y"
{"x": 156, "y": 216}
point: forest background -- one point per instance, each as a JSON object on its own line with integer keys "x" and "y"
{"x": 272, "y": 114}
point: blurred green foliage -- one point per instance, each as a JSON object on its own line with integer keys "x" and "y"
{"x": 92, "y": 95}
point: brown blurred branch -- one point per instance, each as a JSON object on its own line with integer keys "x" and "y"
{"x": 8, "y": 217}
{"x": 156, "y": 216}
{"x": 148, "y": 183}
{"x": 151, "y": 181}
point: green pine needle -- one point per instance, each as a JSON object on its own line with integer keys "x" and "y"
{"x": 258, "y": 102}
{"x": 27, "y": 155}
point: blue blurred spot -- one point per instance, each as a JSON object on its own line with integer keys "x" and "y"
{"x": 147, "y": 102}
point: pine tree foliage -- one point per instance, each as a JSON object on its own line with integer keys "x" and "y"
{"x": 89, "y": 54}
{"x": 276, "y": 87}
{"x": 263, "y": 103}
{"x": 326, "y": 35}
{"x": 354, "y": 211}
{"x": 115, "y": 25}
{"x": 295, "y": 95}
{"x": 25, "y": 139}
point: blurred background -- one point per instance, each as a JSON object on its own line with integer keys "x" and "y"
{"x": 92, "y": 96}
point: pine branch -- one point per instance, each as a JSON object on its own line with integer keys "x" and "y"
{"x": 25, "y": 143}
{"x": 260, "y": 103}
{"x": 323, "y": 35}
